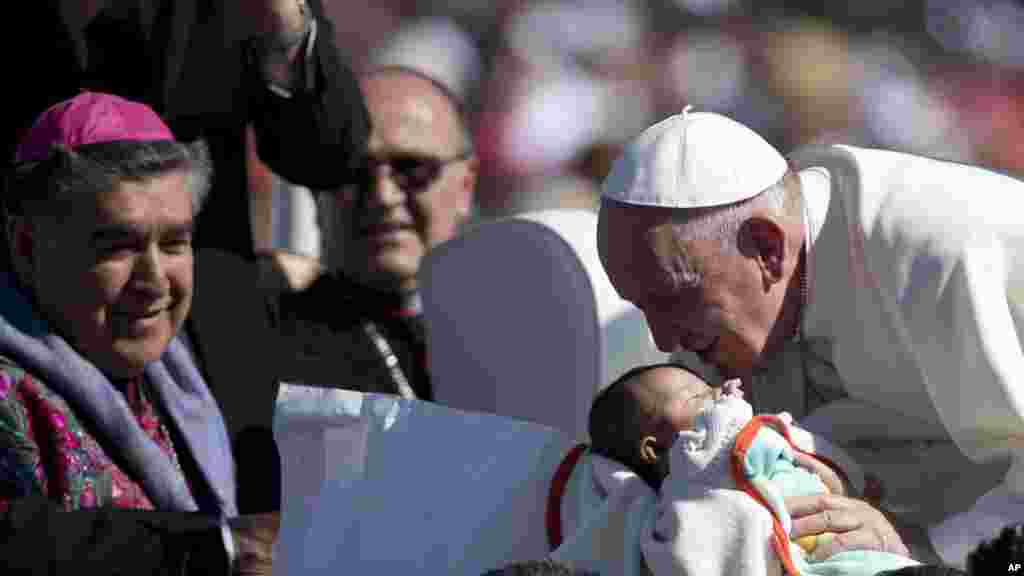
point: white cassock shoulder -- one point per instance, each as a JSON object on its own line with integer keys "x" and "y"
{"x": 940, "y": 242}
{"x": 938, "y": 247}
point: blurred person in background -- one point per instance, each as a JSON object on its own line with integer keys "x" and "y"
{"x": 114, "y": 457}
{"x": 556, "y": 93}
{"x": 290, "y": 243}
{"x": 810, "y": 68}
{"x": 359, "y": 325}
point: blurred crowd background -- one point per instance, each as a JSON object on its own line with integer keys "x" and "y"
{"x": 553, "y": 88}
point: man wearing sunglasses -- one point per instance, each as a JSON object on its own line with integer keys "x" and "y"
{"x": 358, "y": 326}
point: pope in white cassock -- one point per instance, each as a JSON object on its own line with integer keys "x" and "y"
{"x": 874, "y": 295}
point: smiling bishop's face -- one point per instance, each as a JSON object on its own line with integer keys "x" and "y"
{"x": 113, "y": 272}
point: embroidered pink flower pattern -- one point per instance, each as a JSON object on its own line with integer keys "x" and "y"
{"x": 57, "y": 420}
{"x": 61, "y": 457}
{"x": 88, "y": 497}
{"x": 71, "y": 440}
{"x": 6, "y": 383}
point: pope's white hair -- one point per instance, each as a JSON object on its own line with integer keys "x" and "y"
{"x": 723, "y": 223}
{"x": 720, "y": 224}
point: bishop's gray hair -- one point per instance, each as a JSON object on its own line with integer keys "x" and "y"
{"x": 36, "y": 188}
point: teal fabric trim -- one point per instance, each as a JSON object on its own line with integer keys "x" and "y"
{"x": 770, "y": 465}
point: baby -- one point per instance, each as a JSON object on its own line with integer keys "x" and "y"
{"x": 636, "y": 419}
{"x": 654, "y": 415}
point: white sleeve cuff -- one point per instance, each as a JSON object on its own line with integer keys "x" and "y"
{"x": 229, "y": 547}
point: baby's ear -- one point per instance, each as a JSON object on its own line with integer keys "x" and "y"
{"x": 649, "y": 450}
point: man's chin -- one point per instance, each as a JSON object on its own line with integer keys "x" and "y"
{"x": 736, "y": 374}
{"x": 388, "y": 276}
{"x": 130, "y": 360}
{"x": 731, "y": 366}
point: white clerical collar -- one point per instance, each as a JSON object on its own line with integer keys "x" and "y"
{"x": 413, "y": 303}
{"x": 816, "y": 190}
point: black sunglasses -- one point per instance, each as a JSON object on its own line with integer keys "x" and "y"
{"x": 410, "y": 172}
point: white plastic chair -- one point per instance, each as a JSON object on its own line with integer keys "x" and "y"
{"x": 522, "y": 320}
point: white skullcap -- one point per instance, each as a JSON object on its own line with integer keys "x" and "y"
{"x": 694, "y": 160}
{"x": 437, "y": 47}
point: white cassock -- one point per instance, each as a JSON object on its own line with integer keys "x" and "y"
{"x": 910, "y": 357}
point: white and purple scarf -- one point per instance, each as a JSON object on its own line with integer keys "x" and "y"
{"x": 27, "y": 340}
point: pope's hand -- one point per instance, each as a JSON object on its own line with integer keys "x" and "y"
{"x": 847, "y": 524}
{"x": 254, "y": 536}
{"x": 828, "y": 476}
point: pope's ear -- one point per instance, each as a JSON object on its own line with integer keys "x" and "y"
{"x": 649, "y": 450}
{"x": 765, "y": 241}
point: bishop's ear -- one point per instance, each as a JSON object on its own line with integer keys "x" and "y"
{"x": 765, "y": 240}
{"x": 20, "y": 246}
{"x": 467, "y": 189}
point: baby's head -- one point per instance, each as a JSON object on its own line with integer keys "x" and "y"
{"x": 635, "y": 419}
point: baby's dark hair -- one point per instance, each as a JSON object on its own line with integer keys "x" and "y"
{"x": 537, "y": 568}
{"x": 613, "y": 431}
{"x": 996, "y": 555}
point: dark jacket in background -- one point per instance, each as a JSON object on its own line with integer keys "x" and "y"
{"x": 249, "y": 334}
{"x": 324, "y": 343}
{"x": 38, "y": 537}
{"x": 238, "y": 352}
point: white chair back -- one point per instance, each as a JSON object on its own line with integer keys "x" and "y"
{"x": 522, "y": 320}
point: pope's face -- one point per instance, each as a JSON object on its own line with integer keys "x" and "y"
{"x": 699, "y": 295}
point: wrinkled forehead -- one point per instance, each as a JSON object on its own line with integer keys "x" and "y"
{"x": 409, "y": 115}
{"x": 637, "y": 245}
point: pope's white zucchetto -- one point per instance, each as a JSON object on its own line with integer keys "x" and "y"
{"x": 694, "y": 160}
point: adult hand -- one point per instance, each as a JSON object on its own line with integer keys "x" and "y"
{"x": 846, "y": 523}
{"x": 281, "y": 23}
{"x": 254, "y": 536}
{"x": 281, "y": 28}
{"x": 827, "y": 475}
